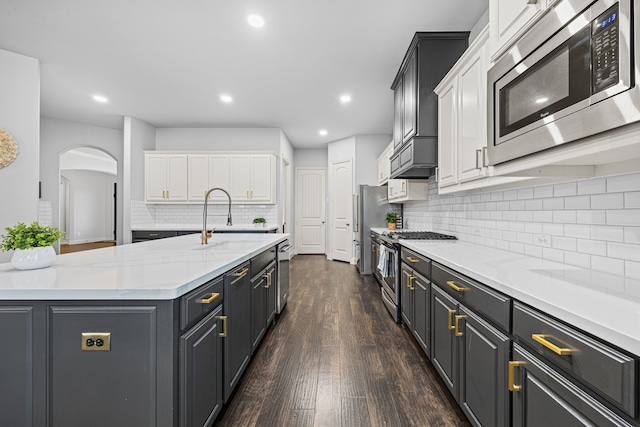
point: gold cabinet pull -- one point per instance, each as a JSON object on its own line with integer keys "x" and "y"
{"x": 268, "y": 277}
{"x": 224, "y": 325}
{"x": 410, "y": 278}
{"x": 513, "y": 364}
{"x": 373, "y": 247}
{"x": 456, "y": 329}
{"x": 412, "y": 259}
{"x": 542, "y": 339}
{"x": 240, "y": 273}
{"x": 167, "y": 194}
{"x": 211, "y": 299}
{"x": 163, "y": 194}
{"x": 153, "y": 235}
{"x": 450, "y": 321}
{"x": 455, "y": 287}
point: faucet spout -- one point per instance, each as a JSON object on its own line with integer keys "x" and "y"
{"x": 205, "y": 233}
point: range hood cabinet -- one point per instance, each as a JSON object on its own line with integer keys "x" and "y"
{"x": 417, "y": 158}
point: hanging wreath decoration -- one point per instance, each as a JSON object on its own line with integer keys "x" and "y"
{"x": 8, "y": 148}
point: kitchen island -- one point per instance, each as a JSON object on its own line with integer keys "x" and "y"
{"x": 132, "y": 335}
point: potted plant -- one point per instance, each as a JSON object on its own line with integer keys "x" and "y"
{"x": 259, "y": 222}
{"x": 32, "y": 245}
{"x": 391, "y": 220}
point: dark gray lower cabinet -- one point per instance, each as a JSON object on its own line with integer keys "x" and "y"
{"x": 237, "y": 344}
{"x": 272, "y": 289}
{"x": 484, "y": 354}
{"x": 416, "y": 307}
{"x": 263, "y": 303}
{"x": 16, "y": 366}
{"x": 444, "y": 346}
{"x": 201, "y": 372}
{"x": 406, "y": 296}
{"x": 543, "y": 397}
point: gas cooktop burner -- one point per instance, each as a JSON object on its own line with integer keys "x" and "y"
{"x": 420, "y": 235}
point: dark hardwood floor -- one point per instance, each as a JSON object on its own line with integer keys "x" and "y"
{"x": 336, "y": 358}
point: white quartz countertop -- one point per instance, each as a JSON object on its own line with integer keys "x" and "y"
{"x": 198, "y": 227}
{"x": 156, "y": 270}
{"x": 602, "y": 304}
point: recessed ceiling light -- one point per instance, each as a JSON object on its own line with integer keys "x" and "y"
{"x": 345, "y": 99}
{"x": 323, "y": 132}
{"x": 100, "y": 98}
{"x": 255, "y": 21}
{"x": 226, "y": 98}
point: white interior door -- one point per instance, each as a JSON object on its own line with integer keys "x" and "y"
{"x": 341, "y": 211}
{"x": 311, "y": 196}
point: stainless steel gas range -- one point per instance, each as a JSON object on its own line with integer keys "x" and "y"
{"x": 385, "y": 261}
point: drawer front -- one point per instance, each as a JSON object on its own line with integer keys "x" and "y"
{"x": 417, "y": 262}
{"x": 491, "y": 304}
{"x": 406, "y": 155}
{"x": 197, "y": 303}
{"x": 259, "y": 262}
{"x": 609, "y": 372}
{"x": 150, "y": 235}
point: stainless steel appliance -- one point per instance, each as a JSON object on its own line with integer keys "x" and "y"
{"x": 390, "y": 278}
{"x": 370, "y": 207}
{"x": 283, "y": 255}
{"x": 572, "y": 75}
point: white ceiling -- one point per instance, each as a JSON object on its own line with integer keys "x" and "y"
{"x": 167, "y": 62}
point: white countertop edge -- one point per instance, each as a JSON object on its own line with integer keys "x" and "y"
{"x": 612, "y": 321}
{"x": 166, "y": 293}
{"x": 198, "y": 227}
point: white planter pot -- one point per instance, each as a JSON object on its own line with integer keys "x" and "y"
{"x": 30, "y": 259}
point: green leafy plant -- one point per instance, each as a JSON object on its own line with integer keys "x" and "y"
{"x": 392, "y": 217}
{"x": 259, "y": 220}
{"x": 32, "y": 236}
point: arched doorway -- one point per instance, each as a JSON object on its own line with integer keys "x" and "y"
{"x": 88, "y": 178}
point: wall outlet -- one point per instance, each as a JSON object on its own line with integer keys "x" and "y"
{"x": 542, "y": 240}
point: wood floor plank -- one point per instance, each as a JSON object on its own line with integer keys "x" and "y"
{"x": 335, "y": 357}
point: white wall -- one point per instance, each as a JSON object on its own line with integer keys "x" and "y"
{"x": 20, "y": 116}
{"x": 311, "y": 157}
{"x": 286, "y": 153}
{"x": 90, "y": 207}
{"x": 368, "y": 148}
{"x": 58, "y": 136}
{"x": 222, "y": 139}
{"x": 479, "y": 26}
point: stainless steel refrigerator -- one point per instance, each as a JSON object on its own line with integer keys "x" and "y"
{"x": 370, "y": 207}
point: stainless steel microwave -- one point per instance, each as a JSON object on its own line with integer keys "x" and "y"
{"x": 572, "y": 75}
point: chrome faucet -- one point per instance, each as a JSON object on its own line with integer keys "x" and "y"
{"x": 205, "y": 234}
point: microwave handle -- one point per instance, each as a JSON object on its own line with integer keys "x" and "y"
{"x": 532, "y": 1}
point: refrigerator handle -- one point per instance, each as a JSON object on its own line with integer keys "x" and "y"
{"x": 356, "y": 214}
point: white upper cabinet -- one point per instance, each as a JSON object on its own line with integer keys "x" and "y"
{"x": 462, "y": 117}
{"x": 384, "y": 164}
{"x": 182, "y": 177}
{"x": 509, "y": 19}
{"x": 405, "y": 190}
{"x": 165, "y": 178}
{"x": 252, "y": 178}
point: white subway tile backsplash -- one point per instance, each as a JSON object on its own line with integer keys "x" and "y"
{"x": 629, "y": 252}
{"x": 578, "y": 259}
{"x": 631, "y": 234}
{"x": 525, "y": 193}
{"x": 565, "y": 217}
{"x": 510, "y": 195}
{"x": 553, "y": 254}
{"x": 535, "y": 251}
{"x": 553, "y": 229}
{"x": 607, "y": 201}
{"x": 533, "y": 227}
{"x": 553, "y": 204}
{"x": 577, "y": 230}
{"x": 564, "y": 243}
{"x": 543, "y": 192}
{"x": 632, "y": 269}
{"x": 543, "y": 216}
{"x": 623, "y": 183}
{"x": 533, "y": 205}
{"x": 632, "y": 200}
{"x": 591, "y": 217}
{"x": 592, "y": 247}
{"x": 592, "y": 186}
{"x": 607, "y": 265}
{"x": 565, "y": 189}
{"x": 623, "y": 217}
{"x": 577, "y": 202}
{"x": 608, "y": 233}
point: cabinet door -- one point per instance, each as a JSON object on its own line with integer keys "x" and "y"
{"x": 272, "y": 289}
{"x": 262, "y": 173}
{"x": 509, "y": 19}
{"x": 409, "y": 99}
{"x": 397, "y": 116}
{"x": 16, "y": 366}
{"x": 240, "y": 185}
{"x": 406, "y": 295}
{"x": 198, "y": 172}
{"x": 472, "y": 117}
{"x": 547, "y": 398}
{"x": 201, "y": 372}
{"x": 258, "y": 309}
{"x": 177, "y": 178}
{"x": 421, "y": 311}
{"x": 447, "y": 135}
{"x": 155, "y": 177}
{"x": 444, "y": 346}
{"x": 88, "y": 385}
{"x": 219, "y": 177}
{"x": 237, "y": 308}
{"x": 484, "y": 354}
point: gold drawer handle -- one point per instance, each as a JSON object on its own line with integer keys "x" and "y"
{"x": 153, "y": 235}
{"x": 513, "y": 364}
{"x": 209, "y": 300}
{"x": 268, "y": 277}
{"x": 224, "y": 325}
{"x": 450, "y": 321}
{"x": 455, "y": 287}
{"x": 412, "y": 259}
{"x": 540, "y": 338}
{"x": 456, "y": 329}
{"x": 241, "y": 273}
{"x": 410, "y": 278}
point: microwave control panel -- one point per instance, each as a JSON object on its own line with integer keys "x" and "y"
{"x": 604, "y": 50}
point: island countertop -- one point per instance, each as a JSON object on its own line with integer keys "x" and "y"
{"x": 156, "y": 270}
{"x": 601, "y": 304}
